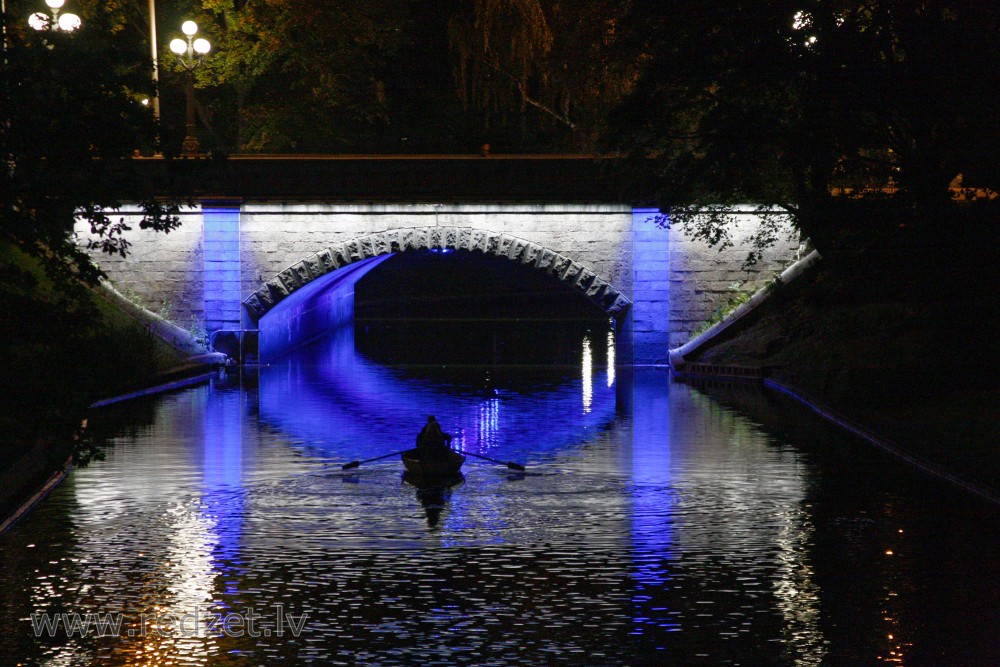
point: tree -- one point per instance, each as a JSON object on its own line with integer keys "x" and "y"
{"x": 543, "y": 65}
{"x": 70, "y": 109}
{"x": 70, "y": 115}
{"x": 786, "y": 104}
{"x": 298, "y": 75}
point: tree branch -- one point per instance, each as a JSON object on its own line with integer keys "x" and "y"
{"x": 538, "y": 105}
{"x": 527, "y": 98}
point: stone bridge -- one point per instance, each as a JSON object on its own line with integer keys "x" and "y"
{"x": 272, "y": 247}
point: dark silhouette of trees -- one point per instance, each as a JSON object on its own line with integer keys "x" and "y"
{"x": 789, "y": 103}
{"x": 70, "y": 108}
{"x": 301, "y": 76}
{"x": 541, "y": 65}
{"x": 389, "y": 76}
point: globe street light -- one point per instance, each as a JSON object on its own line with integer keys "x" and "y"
{"x": 190, "y": 53}
{"x": 66, "y": 22}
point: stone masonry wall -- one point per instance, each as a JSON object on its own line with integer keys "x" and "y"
{"x": 702, "y": 278}
{"x": 165, "y": 272}
{"x": 675, "y": 283}
{"x": 337, "y": 258}
{"x": 162, "y": 272}
{"x": 276, "y": 236}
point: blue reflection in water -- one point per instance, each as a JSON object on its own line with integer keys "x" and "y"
{"x": 331, "y": 400}
{"x": 222, "y": 473}
{"x": 652, "y": 492}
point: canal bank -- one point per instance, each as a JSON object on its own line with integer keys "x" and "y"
{"x": 62, "y": 351}
{"x": 896, "y": 343}
{"x": 31, "y": 470}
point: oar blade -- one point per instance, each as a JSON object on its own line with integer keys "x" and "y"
{"x": 510, "y": 464}
{"x": 355, "y": 464}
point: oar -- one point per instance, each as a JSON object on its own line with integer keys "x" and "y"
{"x": 355, "y": 464}
{"x": 509, "y": 464}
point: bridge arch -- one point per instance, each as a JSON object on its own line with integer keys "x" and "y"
{"x": 366, "y": 248}
{"x": 259, "y": 216}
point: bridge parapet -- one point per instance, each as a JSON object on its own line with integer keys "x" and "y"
{"x": 375, "y": 178}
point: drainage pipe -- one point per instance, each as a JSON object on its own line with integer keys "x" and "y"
{"x": 677, "y": 355}
{"x": 172, "y": 334}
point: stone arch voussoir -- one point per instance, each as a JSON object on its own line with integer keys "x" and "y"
{"x": 512, "y": 248}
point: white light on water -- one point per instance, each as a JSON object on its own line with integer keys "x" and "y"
{"x": 488, "y": 422}
{"x": 611, "y": 357}
{"x": 588, "y": 375}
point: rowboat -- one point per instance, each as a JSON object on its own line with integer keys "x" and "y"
{"x": 447, "y": 465}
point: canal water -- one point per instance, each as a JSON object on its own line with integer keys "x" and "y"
{"x": 656, "y": 523}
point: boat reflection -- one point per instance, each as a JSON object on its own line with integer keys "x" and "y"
{"x": 434, "y": 492}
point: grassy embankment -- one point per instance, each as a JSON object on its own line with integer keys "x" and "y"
{"x": 898, "y": 333}
{"x": 59, "y": 352}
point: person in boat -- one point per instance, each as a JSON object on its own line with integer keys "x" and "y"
{"x": 432, "y": 442}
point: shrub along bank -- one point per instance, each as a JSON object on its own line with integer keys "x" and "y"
{"x": 896, "y": 329}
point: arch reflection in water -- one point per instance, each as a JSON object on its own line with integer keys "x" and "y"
{"x": 330, "y": 399}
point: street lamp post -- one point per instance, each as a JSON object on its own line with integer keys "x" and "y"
{"x": 190, "y": 53}
{"x": 66, "y": 21}
{"x": 156, "y": 60}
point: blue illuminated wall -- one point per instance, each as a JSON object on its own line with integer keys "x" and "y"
{"x": 317, "y": 309}
{"x": 328, "y": 303}
{"x": 650, "y": 316}
{"x": 221, "y": 267}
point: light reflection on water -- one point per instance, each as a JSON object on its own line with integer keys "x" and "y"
{"x": 654, "y": 525}
{"x": 338, "y": 402}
